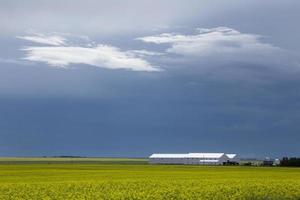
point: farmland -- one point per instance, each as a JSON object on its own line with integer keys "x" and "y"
{"x": 105, "y": 178}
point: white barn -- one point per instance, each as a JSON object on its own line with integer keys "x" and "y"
{"x": 191, "y": 158}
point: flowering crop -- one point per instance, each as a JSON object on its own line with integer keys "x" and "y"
{"x": 125, "y": 181}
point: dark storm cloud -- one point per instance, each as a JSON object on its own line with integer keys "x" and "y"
{"x": 95, "y": 17}
{"x": 241, "y": 102}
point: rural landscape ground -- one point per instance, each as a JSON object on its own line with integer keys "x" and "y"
{"x": 118, "y": 178}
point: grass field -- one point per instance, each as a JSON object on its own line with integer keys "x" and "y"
{"x": 105, "y": 178}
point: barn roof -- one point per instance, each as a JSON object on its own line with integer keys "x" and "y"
{"x": 231, "y": 155}
{"x": 205, "y": 155}
{"x": 188, "y": 155}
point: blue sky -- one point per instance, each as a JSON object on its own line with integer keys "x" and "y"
{"x": 130, "y": 78}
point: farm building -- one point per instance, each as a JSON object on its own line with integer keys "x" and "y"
{"x": 193, "y": 158}
{"x": 233, "y": 158}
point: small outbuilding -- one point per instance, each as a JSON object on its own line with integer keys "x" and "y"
{"x": 268, "y": 162}
{"x": 233, "y": 158}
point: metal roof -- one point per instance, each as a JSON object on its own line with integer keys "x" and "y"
{"x": 231, "y": 155}
{"x": 205, "y": 155}
{"x": 188, "y": 155}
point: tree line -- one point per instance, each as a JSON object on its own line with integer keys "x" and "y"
{"x": 290, "y": 162}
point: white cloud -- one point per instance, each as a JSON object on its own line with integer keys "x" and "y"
{"x": 213, "y": 41}
{"x": 144, "y": 53}
{"x": 55, "y": 40}
{"x": 104, "y": 56}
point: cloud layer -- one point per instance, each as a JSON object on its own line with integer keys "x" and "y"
{"x": 208, "y": 45}
{"x": 60, "y": 54}
{"x": 220, "y": 40}
{"x": 55, "y": 40}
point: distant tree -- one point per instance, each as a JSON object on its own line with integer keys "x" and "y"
{"x": 247, "y": 164}
{"x": 290, "y": 162}
{"x": 284, "y": 161}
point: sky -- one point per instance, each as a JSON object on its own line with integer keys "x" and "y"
{"x": 136, "y": 77}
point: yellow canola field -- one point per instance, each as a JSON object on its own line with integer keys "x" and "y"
{"x": 141, "y": 181}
